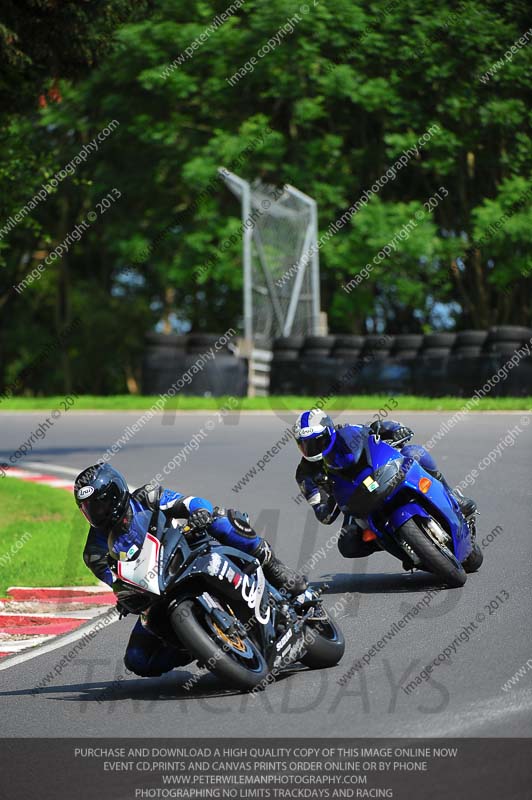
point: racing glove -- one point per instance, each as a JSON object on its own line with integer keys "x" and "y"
{"x": 199, "y": 519}
{"x": 323, "y": 504}
{"x": 326, "y": 511}
{"x": 391, "y": 432}
{"x": 128, "y": 601}
{"x": 122, "y": 610}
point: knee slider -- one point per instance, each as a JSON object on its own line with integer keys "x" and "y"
{"x": 421, "y": 455}
{"x": 138, "y": 661}
{"x": 351, "y": 545}
{"x": 348, "y": 542}
{"x": 240, "y": 522}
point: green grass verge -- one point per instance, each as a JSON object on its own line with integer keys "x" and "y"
{"x": 289, "y": 402}
{"x": 42, "y": 536}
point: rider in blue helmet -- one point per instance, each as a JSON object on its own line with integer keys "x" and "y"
{"x": 331, "y": 452}
{"x": 102, "y": 495}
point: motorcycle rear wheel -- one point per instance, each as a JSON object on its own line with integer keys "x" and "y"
{"x": 434, "y": 557}
{"x": 474, "y": 559}
{"x": 236, "y": 660}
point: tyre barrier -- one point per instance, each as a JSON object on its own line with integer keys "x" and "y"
{"x": 433, "y": 365}
{"x": 177, "y": 361}
{"x": 407, "y": 345}
{"x": 506, "y": 338}
{"x": 377, "y": 347}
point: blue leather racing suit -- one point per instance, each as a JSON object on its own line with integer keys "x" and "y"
{"x": 326, "y": 484}
{"x": 147, "y": 653}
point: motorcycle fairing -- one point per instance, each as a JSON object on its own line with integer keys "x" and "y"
{"x": 434, "y": 503}
{"x": 218, "y": 569}
{"x": 232, "y": 573}
{"x": 143, "y": 572}
{"x": 360, "y": 491}
{"x": 389, "y": 473}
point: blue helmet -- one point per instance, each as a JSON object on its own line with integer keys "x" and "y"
{"x": 315, "y": 434}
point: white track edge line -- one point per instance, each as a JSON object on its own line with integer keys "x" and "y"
{"x": 51, "y": 467}
{"x": 48, "y": 466}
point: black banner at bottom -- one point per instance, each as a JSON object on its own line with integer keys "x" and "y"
{"x": 284, "y": 769}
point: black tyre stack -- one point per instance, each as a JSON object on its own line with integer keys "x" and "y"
{"x": 469, "y": 343}
{"x": 377, "y": 347}
{"x": 168, "y": 358}
{"x": 285, "y": 372}
{"x": 506, "y": 351}
{"x": 349, "y": 365}
{"x": 437, "y": 345}
{"x": 317, "y": 369}
{"x": 317, "y": 347}
{"x": 164, "y": 360}
{"x": 506, "y": 339}
{"x": 398, "y": 373}
{"x": 406, "y": 346}
{"x": 431, "y": 370}
{"x": 287, "y": 348}
{"x": 198, "y": 343}
{"x": 436, "y": 364}
{"x": 348, "y": 348}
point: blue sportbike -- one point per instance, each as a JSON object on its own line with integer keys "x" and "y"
{"x": 409, "y": 513}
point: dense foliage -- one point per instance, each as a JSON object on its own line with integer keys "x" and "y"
{"x": 348, "y": 87}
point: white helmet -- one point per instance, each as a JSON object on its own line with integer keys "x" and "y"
{"x": 315, "y": 434}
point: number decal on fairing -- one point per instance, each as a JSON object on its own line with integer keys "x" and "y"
{"x": 254, "y": 596}
{"x": 251, "y": 590}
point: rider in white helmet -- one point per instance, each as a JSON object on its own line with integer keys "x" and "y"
{"x": 334, "y": 454}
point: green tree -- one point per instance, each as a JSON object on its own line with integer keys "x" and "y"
{"x": 344, "y": 90}
{"x": 40, "y": 43}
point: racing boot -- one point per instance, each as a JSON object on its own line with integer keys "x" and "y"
{"x": 467, "y": 505}
{"x": 277, "y": 573}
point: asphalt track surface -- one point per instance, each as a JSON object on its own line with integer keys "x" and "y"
{"x": 92, "y": 696}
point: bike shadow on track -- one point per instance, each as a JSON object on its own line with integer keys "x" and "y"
{"x": 172, "y": 686}
{"x": 88, "y": 454}
{"x": 376, "y": 582}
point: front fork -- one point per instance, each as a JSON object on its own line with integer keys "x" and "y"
{"x": 386, "y": 541}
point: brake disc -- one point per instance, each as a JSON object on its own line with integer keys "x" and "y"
{"x": 437, "y": 533}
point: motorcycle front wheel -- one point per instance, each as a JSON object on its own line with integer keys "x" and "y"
{"x": 231, "y": 656}
{"x": 435, "y": 557}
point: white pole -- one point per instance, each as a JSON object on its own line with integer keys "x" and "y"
{"x": 315, "y": 272}
{"x": 245, "y": 194}
{"x": 296, "y": 291}
{"x": 315, "y": 258}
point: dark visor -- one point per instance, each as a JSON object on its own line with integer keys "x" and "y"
{"x": 316, "y": 445}
{"x": 98, "y": 510}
